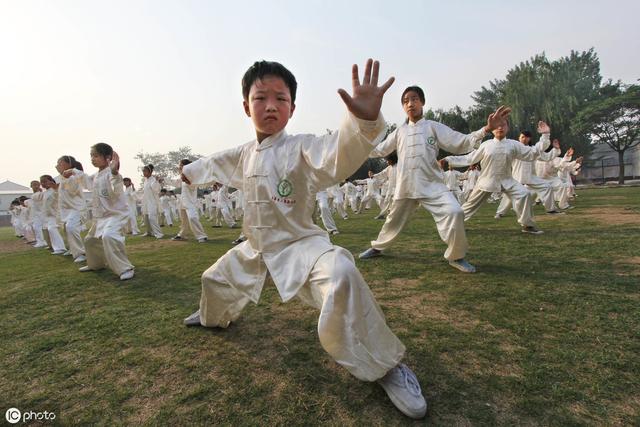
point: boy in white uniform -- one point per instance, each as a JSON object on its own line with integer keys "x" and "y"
{"x": 189, "y": 214}
{"x": 280, "y": 175}
{"x": 496, "y": 157}
{"x": 372, "y": 191}
{"x": 151, "y": 203}
{"x": 420, "y": 181}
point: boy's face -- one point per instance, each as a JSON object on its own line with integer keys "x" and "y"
{"x": 98, "y": 160}
{"x": 269, "y": 106}
{"x": 412, "y": 106}
{"x": 501, "y": 131}
{"x": 35, "y": 186}
{"x": 524, "y": 139}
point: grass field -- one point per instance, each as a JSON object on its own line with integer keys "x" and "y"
{"x": 547, "y": 332}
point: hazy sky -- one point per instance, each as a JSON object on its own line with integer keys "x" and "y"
{"x": 156, "y": 75}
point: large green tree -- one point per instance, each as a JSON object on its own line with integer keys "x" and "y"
{"x": 613, "y": 119}
{"x": 542, "y": 89}
{"x": 165, "y": 165}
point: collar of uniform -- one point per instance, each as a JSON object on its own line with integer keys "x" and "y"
{"x": 270, "y": 140}
{"x": 419, "y": 122}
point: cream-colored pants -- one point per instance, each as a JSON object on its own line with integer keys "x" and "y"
{"x": 152, "y": 225}
{"x": 351, "y": 327}
{"x": 521, "y": 198}
{"x": 544, "y": 192}
{"x": 73, "y": 227}
{"x": 104, "y": 244}
{"x": 325, "y": 215}
{"x": 190, "y": 224}
{"x": 56, "y": 242}
{"x": 446, "y": 212}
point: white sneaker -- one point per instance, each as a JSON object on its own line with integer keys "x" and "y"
{"x": 59, "y": 252}
{"x": 193, "y": 320}
{"x": 67, "y": 253}
{"x": 127, "y": 275}
{"x": 80, "y": 258}
{"x": 462, "y": 265}
{"x": 202, "y": 240}
{"x": 498, "y": 216}
{"x": 403, "y": 389}
{"x": 85, "y": 269}
{"x": 40, "y": 245}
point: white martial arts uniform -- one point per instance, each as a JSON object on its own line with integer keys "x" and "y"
{"x": 322, "y": 197}
{"x": 420, "y": 181}
{"x": 372, "y": 192}
{"x": 50, "y": 210}
{"x": 151, "y": 206}
{"x": 451, "y": 180}
{"x": 350, "y": 196}
{"x": 389, "y": 175}
{"x": 524, "y": 173}
{"x": 469, "y": 179}
{"x": 496, "y": 159}
{"x": 36, "y": 218}
{"x": 166, "y": 210}
{"x": 224, "y": 206}
{"x": 73, "y": 209}
{"x": 189, "y": 214}
{"x": 104, "y": 243}
{"x": 338, "y": 200}
{"x": 280, "y": 177}
{"x": 132, "y": 205}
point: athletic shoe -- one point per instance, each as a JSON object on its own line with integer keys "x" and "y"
{"x": 569, "y": 207}
{"x": 555, "y": 212}
{"x": 58, "y": 252}
{"x": 177, "y": 237}
{"x": 238, "y": 241}
{"x": 380, "y": 216}
{"x": 127, "y": 275}
{"x": 67, "y": 253}
{"x": 85, "y": 269}
{"x": 159, "y": 237}
{"x": 41, "y": 245}
{"x": 462, "y": 265}
{"x": 498, "y": 216}
{"x": 234, "y": 225}
{"x": 345, "y": 217}
{"x": 370, "y": 253}
{"x": 532, "y": 230}
{"x": 202, "y": 240}
{"x": 334, "y": 232}
{"x": 145, "y": 235}
{"x": 80, "y": 258}
{"x": 403, "y": 389}
{"x": 193, "y": 320}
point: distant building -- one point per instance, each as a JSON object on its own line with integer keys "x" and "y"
{"x": 602, "y": 164}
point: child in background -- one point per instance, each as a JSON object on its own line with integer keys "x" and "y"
{"x": 132, "y": 204}
{"x": 72, "y": 205}
{"x": 151, "y": 203}
{"x": 50, "y": 214}
{"x": 104, "y": 242}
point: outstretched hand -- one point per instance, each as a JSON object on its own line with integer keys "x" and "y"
{"x": 497, "y": 118}
{"x": 367, "y": 96}
{"x": 543, "y": 127}
{"x": 114, "y": 163}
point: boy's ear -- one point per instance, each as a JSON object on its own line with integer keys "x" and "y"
{"x": 293, "y": 107}
{"x": 247, "y": 111}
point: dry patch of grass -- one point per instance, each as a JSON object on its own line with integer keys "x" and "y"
{"x": 613, "y": 215}
{"x": 17, "y": 245}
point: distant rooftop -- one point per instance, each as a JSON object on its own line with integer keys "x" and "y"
{"x": 12, "y": 186}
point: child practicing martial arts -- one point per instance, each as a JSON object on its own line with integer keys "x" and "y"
{"x": 50, "y": 214}
{"x": 104, "y": 243}
{"x": 420, "y": 181}
{"x": 280, "y": 175}
{"x": 72, "y": 205}
{"x": 189, "y": 214}
{"x": 496, "y": 158}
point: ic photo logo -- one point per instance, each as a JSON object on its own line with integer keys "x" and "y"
{"x": 13, "y": 415}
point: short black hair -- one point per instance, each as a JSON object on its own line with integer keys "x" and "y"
{"x": 260, "y": 69}
{"x": 392, "y": 158}
{"x": 185, "y": 162}
{"x": 163, "y": 190}
{"x": 103, "y": 149}
{"x": 526, "y": 133}
{"x": 148, "y": 167}
{"x": 415, "y": 89}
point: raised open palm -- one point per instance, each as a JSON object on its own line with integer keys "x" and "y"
{"x": 367, "y": 96}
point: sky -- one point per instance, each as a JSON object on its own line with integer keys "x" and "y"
{"x": 153, "y": 76}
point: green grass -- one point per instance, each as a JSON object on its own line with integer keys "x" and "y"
{"x": 546, "y": 333}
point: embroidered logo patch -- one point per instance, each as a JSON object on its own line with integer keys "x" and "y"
{"x": 285, "y": 188}
{"x": 431, "y": 140}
